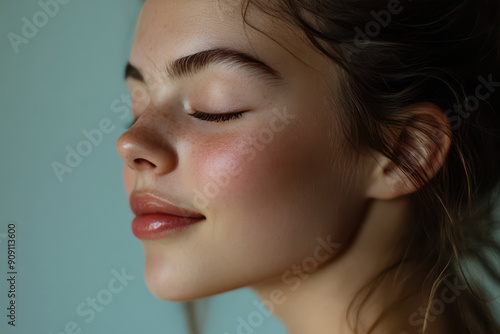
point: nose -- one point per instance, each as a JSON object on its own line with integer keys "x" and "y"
{"x": 144, "y": 149}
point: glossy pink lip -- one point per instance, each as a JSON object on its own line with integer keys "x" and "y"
{"x": 157, "y": 218}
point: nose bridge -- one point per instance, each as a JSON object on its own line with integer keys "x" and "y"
{"x": 149, "y": 145}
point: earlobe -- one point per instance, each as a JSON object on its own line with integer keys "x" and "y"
{"x": 419, "y": 152}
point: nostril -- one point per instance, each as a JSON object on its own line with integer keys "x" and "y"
{"x": 140, "y": 162}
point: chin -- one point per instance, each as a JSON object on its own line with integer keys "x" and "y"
{"x": 164, "y": 291}
{"x": 173, "y": 282}
{"x": 165, "y": 280}
{"x": 177, "y": 282}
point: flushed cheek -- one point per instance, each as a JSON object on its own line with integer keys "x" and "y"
{"x": 258, "y": 163}
{"x": 234, "y": 167}
{"x": 260, "y": 188}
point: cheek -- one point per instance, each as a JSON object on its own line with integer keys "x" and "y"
{"x": 236, "y": 167}
{"x": 269, "y": 196}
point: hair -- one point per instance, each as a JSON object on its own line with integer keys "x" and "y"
{"x": 436, "y": 51}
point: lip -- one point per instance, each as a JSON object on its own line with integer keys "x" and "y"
{"x": 158, "y": 218}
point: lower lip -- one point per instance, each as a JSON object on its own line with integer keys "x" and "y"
{"x": 156, "y": 226}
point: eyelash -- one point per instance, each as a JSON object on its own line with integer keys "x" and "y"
{"x": 206, "y": 117}
{"x": 216, "y": 117}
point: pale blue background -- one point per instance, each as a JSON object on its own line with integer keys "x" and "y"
{"x": 71, "y": 235}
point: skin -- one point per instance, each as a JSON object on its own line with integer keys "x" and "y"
{"x": 264, "y": 225}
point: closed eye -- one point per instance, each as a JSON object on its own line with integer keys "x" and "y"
{"x": 216, "y": 117}
{"x": 206, "y": 117}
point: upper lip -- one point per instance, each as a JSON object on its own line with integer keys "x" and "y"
{"x": 148, "y": 203}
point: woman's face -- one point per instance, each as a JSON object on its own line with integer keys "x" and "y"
{"x": 269, "y": 183}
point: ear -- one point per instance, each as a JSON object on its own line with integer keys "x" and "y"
{"x": 419, "y": 152}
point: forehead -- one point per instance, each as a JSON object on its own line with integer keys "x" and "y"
{"x": 170, "y": 29}
{"x": 181, "y": 22}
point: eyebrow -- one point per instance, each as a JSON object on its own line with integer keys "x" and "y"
{"x": 191, "y": 64}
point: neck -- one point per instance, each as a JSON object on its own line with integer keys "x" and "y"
{"x": 318, "y": 302}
